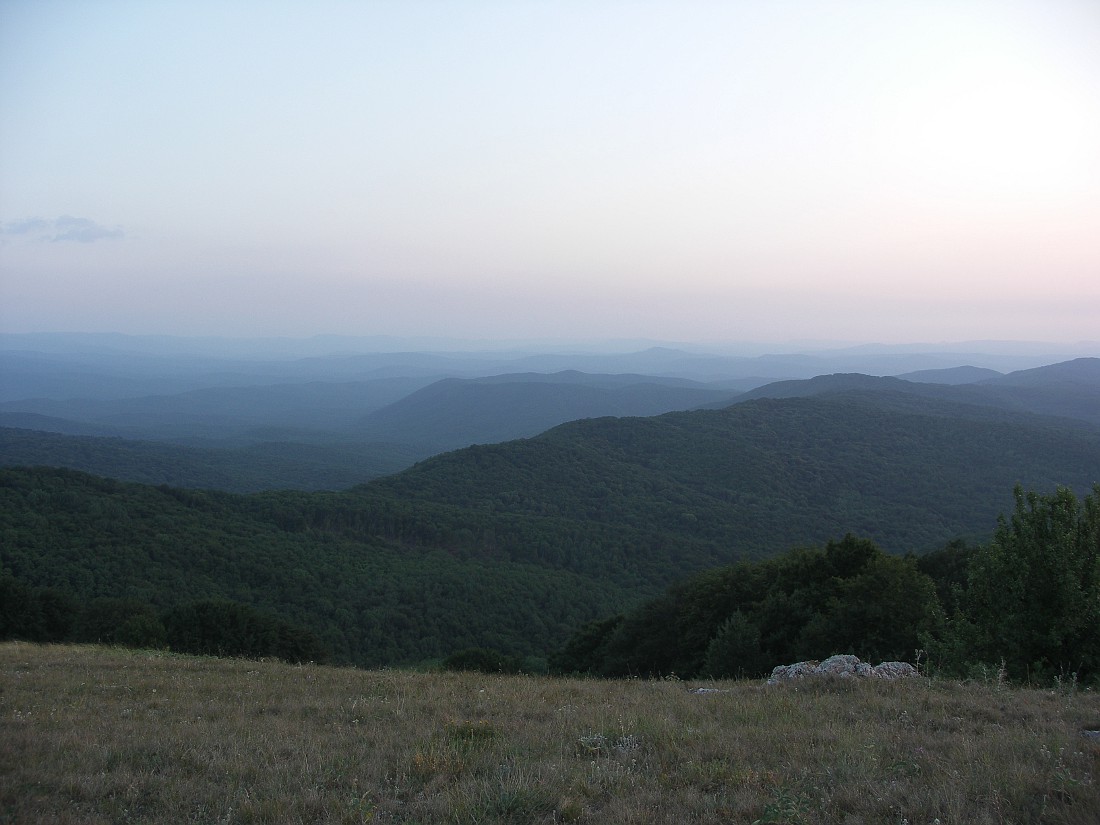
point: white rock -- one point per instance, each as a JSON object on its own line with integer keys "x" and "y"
{"x": 843, "y": 666}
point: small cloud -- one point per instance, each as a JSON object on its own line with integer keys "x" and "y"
{"x": 65, "y": 228}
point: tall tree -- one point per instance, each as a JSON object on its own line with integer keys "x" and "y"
{"x": 1033, "y": 594}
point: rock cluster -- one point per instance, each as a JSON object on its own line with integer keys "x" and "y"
{"x": 843, "y": 666}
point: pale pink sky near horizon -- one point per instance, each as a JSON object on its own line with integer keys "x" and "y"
{"x": 889, "y": 171}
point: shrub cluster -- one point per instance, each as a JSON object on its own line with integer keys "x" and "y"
{"x": 1027, "y": 602}
{"x": 742, "y": 620}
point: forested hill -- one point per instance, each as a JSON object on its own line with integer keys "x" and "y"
{"x": 758, "y": 477}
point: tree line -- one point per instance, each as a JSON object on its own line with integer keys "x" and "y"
{"x": 211, "y": 627}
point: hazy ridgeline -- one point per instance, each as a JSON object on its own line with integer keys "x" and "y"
{"x": 325, "y": 415}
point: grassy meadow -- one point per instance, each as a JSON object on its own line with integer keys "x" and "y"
{"x": 111, "y": 735}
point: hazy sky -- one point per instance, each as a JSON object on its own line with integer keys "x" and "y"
{"x": 764, "y": 169}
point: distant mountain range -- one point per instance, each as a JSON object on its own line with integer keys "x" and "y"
{"x": 114, "y": 366}
{"x": 345, "y": 433}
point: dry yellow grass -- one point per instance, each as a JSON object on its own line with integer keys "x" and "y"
{"x": 98, "y": 735}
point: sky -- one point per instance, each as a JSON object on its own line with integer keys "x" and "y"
{"x": 685, "y": 171}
